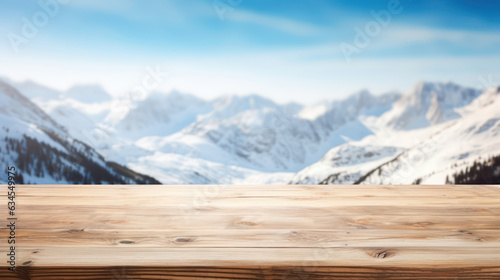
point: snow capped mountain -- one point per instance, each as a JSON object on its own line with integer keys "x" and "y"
{"x": 428, "y": 104}
{"x": 255, "y": 133}
{"x": 353, "y": 109}
{"x": 161, "y": 114}
{"x": 35, "y": 92}
{"x": 423, "y": 136}
{"x": 362, "y": 102}
{"x": 44, "y": 152}
{"x": 427, "y": 155}
{"x": 91, "y": 100}
{"x": 16, "y": 106}
{"x": 259, "y": 139}
{"x": 231, "y": 105}
{"x": 76, "y": 117}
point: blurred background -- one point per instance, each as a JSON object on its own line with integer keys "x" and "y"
{"x": 250, "y": 92}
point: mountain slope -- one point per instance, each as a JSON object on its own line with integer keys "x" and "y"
{"x": 247, "y": 138}
{"x": 423, "y": 136}
{"x": 259, "y": 134}
{"x": 410, "y": 145}
{"x": 480, "y": 172}
{"x": 345, "y": 164}
{"x": 457, "y": 144}
{"x": 34, "y": 91}
{"x": 44, "y": 152}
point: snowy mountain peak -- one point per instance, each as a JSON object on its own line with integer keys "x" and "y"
{"x": 357, "y": 101}
{"x": 361, "y": 95}
{"x": 15, "y": 105}
{"x": 339, "y": 109}
{"x": 447, "y": 94}
{"x": 428, "y": 104}
{"x": 34, "y": 91}
{"x": 244, "y": 102}
{"x": 231, "y": 105}
{"x": 161, "y": 114}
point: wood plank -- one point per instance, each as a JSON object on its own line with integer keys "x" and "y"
{"x": 433, "y": 256}
{"x": 282, "y": 201}
{"x": 316, "y": 211}
{"x": 258, "y": 238}
{"x": 256, "y": 220}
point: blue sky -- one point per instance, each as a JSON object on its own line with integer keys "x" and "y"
{"x": 286, "y": 50}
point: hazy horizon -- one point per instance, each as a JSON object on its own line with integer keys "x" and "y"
{"x": 484, "y": 83}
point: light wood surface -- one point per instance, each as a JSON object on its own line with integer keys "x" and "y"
{"x": 254, "y": 232}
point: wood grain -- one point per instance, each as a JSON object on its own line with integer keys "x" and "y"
{"x": 255, "y": 232}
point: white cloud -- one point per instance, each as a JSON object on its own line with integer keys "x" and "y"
{"x": 278, "y": 23}
{"x": 159, "y": 11}
{"x": 401, "y": 36}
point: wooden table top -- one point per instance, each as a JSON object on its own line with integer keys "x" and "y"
{"x": 254, "y": 232}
